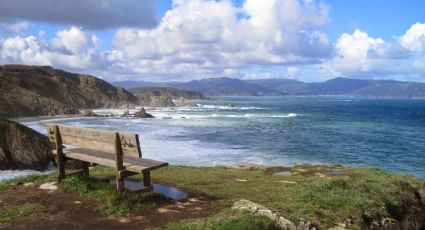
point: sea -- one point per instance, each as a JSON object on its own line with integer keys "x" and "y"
{"x": 388, "y": 134}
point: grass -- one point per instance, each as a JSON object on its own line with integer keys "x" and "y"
{"x": 225, "y": 220}
{"x": 10, "y": 214}
{"x": 324, "y": 200}
{"x": 113, "y": 203}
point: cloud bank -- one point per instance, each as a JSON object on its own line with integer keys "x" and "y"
{"x": 102, "y": 14}
{"x": 198, "y": 39}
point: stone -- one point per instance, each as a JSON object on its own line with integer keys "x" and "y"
{"x": 29, "y": 184}
{"x": 257, "y": 209}
{"x": 89, "y": 113}
{"x": 77, "y": 202}
{"x": 49, "y": 186}
{"x": 165, "y": 210}
{"x": 284, "y": 173}
{"x": 124, "y": 220}
{"x": 22, "y": 147}
{"x": 241, "y": 180}
{"x": 143, "y": 114}
{"x": 287, "y": 182}
{"x": 193, "y": 199}
{"x": 321, "y": 175}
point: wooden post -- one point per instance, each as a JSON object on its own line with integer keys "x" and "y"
{"x": 146, "y": 178}
{"x": 85, "y": 166}
{"x": 119, "y": 163}
{"x": 59, "y": 154}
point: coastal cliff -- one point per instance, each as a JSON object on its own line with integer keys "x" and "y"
{"x": 22, "y": 147}
{"x": 43, "y": 90}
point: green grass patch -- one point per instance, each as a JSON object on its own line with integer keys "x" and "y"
{"x": 226, "y": 220}
{"x": 37, "y": 179}
{"x": 113, "y": 203}
{"x": 9, "y": 214}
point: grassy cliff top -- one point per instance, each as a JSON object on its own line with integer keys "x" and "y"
{"x": 323, "y": 195}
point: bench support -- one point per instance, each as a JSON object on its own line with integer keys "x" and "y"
{"x": 85, "y": 166}
{"x": 119, "y": 163}
{"x": 146, "y": 178}
{"x": 59, "y": 155}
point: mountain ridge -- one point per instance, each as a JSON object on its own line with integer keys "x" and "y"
{"x": 225, "y": 86}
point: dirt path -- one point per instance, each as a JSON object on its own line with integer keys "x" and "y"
{"x": 64, "y": 210}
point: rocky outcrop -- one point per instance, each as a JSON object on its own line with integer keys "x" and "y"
{"x": 22, "y": 147}
{"x": 89, "y": 113}
{"x": 185, "y": 102}
{"x": 43, "y": 90}
{"x": 155, "y": 101}
{"x": 256, "y": 209}
{"x": 143, "y": 114}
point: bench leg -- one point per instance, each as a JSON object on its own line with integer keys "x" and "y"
{"x": 85, "y": 166}
{"x": 120, "y": 183}
{"x": 60, "y": 166}
{"x": 147, "y": 178}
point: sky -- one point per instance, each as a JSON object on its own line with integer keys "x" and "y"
{"x": 181, "y": 40}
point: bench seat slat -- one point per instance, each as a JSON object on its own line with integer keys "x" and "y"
{"x": 107, "y": 159}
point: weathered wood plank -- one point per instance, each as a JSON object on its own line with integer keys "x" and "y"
{"x": 130, "y": 163}
{"x": 101, "y": 140}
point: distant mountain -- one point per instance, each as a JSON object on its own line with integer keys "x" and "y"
{"x": 173, "y": 93}
{"x": 281, "y": 86}
{"x": 224, "y": 86}
{"x": 43, "y": 90}
{"x": 272, "y": 87}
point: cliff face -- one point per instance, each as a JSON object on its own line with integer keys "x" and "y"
{"x": 22, "y": 147}
{"x": 43, "y": 90}
{"x": 173, "y": 93}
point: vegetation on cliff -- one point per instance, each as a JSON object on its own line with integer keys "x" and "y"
{"x": 315, "y": 196}
{"x": 43, "y": 90}
{"x": 173, "y": 93}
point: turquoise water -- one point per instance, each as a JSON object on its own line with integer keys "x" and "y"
{"x": 387, "y": 134}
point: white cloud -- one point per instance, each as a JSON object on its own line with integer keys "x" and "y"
{"x": 206, "y": 38}
{"x": 72, "y": 49}
{"x": 14, "y": 28}
{"x": 359, "y": 55}
{"x": 414, "y": 38}
{"x": 91, "y": 14}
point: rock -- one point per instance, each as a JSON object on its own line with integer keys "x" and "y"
{"x": 22, "y": 147}
{"x": 155, "y": 101}
{"x": 143, "y": 114}
{"x": 29, "y": 184}
{"x": 184, "y": 102}
{"x": 165, "y": 210}
{"x": 287, "y": 182}
{"x": 77, "y": 202}
{"x": 89, "y": 113}
{"x": 260, "y": 210}
{"x": 241, "y": 180}
{"x": 321, "y": 175}
{"x": 284, "y": 173}
{"x": 49, "y": 186}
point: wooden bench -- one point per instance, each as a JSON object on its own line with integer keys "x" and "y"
{"x": 120, "y": 150}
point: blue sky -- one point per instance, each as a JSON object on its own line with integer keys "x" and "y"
{"x": 164, "y": 40}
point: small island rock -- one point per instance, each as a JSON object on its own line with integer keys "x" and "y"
{"x": 143, "y": 114}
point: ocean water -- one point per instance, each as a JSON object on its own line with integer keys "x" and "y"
{"x": 383, "y": 133}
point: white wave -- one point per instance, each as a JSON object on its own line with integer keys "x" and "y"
{"x": 12, "y": 174}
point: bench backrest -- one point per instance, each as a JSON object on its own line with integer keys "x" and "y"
{"x": 96, "y": 139}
